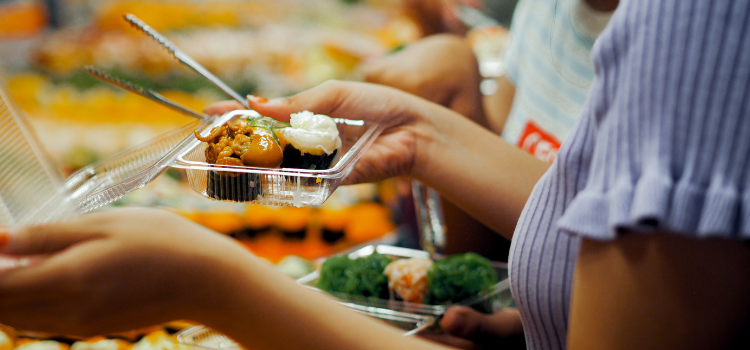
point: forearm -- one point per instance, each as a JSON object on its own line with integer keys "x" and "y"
{"x": 474, "y": 168}
{"x": 262, "y": 309}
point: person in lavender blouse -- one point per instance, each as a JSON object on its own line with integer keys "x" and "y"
{"x": 634, "y": 238}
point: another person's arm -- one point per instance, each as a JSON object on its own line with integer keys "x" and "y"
{"x": 125, "y": 269}
{"x": 444, "y": 70}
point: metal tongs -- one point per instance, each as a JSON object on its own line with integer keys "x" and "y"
{"x": 180, "y": 56}
{"x": 147, "y": 93}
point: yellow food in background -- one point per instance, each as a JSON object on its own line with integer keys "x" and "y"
{"x": 6, "y": 341}
{"x": 101, "y": 343}
{"x": 33, "y": 344}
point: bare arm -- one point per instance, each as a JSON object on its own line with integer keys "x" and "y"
{"x": 472, "y": 167}
{"x": 478, "y": 171}
{"x": 263, "y": 309}
{"x": 118, "y": 270}
{"x": 659, "y": 291}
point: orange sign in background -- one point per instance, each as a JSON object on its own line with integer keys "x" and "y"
{"x": 538, "y": 142}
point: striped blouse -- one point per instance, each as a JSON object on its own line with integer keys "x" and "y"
{"x": 663, "y": 142}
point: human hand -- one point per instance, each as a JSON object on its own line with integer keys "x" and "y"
{"x": 113, "y": 271}
{"x": 401, "y": 146}
{"x": 467, "y": 328}
{"x": 437, "y": 16}
{"x": 440, "y": 68}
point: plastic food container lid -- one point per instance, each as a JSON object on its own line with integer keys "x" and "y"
{"x": 33, "y": 191}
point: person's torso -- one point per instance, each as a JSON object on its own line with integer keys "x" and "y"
{"x": 554, "y": 71}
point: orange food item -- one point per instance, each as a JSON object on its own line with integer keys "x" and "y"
{"x": 293, "y": 219}
{"x": 22, "y": 19}
{"x": 222, "y": 222}
{"x": 408, "y": 277}
{"x": 7, "y": 338}
{"x": 259, "y": 216}
{"x": 367, "y": 222}
{"x": 262, "y": 151}
{"x": 235, "y": 143}
{"x": 334, "y": 220}
{"x": 34, "y": 344}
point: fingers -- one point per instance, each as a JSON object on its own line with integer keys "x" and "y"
{"x": 47, "y": 238}
{"x": 222, "y": 107}
{"x": 468, "y": 323}
{"x": 323, "y": 99}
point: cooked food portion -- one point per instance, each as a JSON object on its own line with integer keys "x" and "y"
{"x": 362, "y": 276}
{"x": 153, "y": 341}
{"x": 458, "y": 277}
{"x": 245, "y": 142}
{"x": 312, "y": 141}
{"x": 31, "y": 344}
{"x": 415, "y": 280}
{"x": 408, "y": 278}
{"x": 6, "y": 342}
{"x": 100, "y": 343}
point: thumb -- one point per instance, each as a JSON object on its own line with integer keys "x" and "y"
{"x": 219, "y": 108}
{"x": 44, "y": 239}
{"x": 465, "y": 322}
{"x": 323, "y": 99}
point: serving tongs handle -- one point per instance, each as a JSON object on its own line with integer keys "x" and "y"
{"x": 147, "y": 93}
{"x": 184, "y": 58}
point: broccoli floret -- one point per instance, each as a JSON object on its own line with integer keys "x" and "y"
{"x": 458, "y": 277}
{"x": 361, "y": 276}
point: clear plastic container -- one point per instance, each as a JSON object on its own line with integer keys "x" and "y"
{"x": 498, "y": 297}
{"x": 110, "y": 179}
{"x": 31, "y": 190}
{"x": 274, "y": 186}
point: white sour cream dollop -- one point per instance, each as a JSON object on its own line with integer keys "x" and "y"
{"x": 312, "y": 133}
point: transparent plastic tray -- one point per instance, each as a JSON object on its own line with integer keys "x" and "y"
{"x": 277, "y": 186}
{"x": 498, "y": 297}
{"x": 31, "y": 190}
{"x": 110, "y": 179}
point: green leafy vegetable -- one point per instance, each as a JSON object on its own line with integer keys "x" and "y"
{"x": 361, "y": 276}
{"x": 458, "y": 277}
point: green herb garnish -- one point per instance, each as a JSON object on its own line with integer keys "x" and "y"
{"x": 268, "y": 124}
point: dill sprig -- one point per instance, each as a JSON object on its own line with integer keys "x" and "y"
{"x": 268, "y": 124}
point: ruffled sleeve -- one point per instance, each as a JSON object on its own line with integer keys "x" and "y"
{"x": 669, "y": 114}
